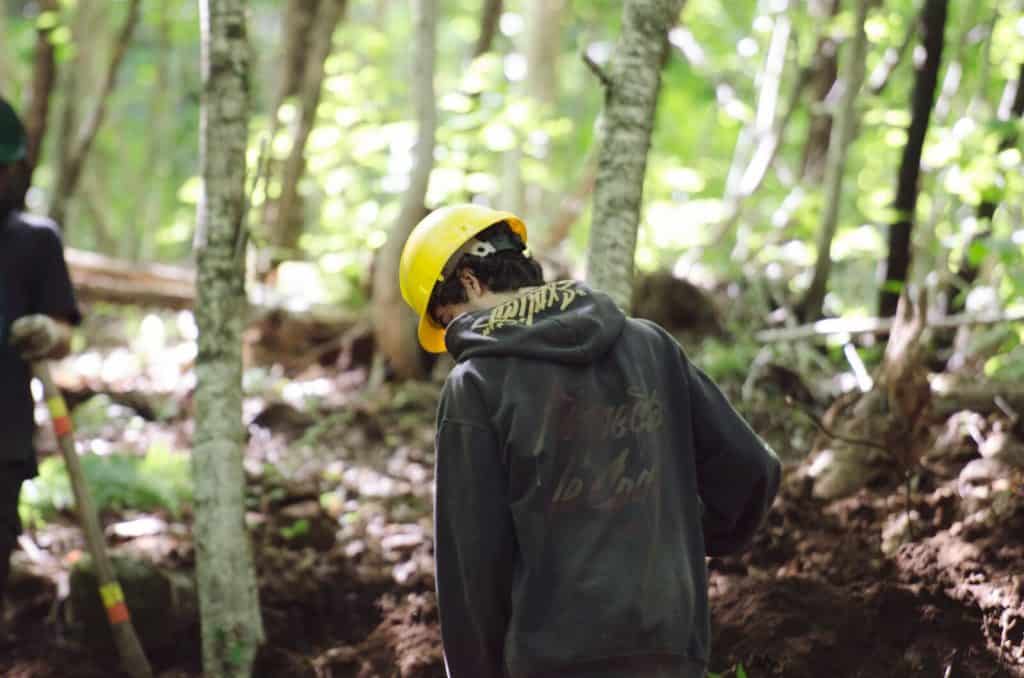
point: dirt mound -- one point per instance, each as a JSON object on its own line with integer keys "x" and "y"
{"x": 801, "y": 627}
{"x": 406, "y": 644}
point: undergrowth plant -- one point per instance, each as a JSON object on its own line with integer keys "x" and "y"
{"x": 160, "y": 480}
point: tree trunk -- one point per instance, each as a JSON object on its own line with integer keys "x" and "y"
{"x": 632, "y": 82}
{"x": 933, "y": 26}
{"x": 8, "y": 79}
{"x": 288, "y": 212}
{"x": 232, "y": 628}
{"x": 67, "y": 181}
{"x": 543, "y": 47}
{"x": 44, "y": 76}
{"x": 842, "y": 137}
{"x": 299, "y": 20}
{"x": 826, "y": 71}
{"x": 394, "y": 325}
{"x": 148, "y": 204}
{"x": 489, "y": 19}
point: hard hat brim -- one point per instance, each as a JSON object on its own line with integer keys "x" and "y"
{"x": 431, "y": 336}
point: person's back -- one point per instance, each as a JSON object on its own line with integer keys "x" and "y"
{"x": 606, "y": 437}
{"x": 584, "y": 467}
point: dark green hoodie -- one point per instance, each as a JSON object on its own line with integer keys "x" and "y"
{"x": 584, "y": 469}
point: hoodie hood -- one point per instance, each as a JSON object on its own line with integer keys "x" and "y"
{"x": 563, "y": 322}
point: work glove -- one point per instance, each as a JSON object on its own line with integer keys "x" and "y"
{"x": 36, "y": 336}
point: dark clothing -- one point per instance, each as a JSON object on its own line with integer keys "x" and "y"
{"x": 33, "y": 279}
{"x": 11, "y": 478}
{"x": 584, "y": 469}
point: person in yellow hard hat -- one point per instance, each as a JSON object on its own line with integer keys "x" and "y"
{"x": 37, "y": 307}
{"x": 585, "y": 467}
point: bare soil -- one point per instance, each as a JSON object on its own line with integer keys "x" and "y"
{"x": 815, "y": 596}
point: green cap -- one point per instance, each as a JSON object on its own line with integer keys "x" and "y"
{"x": 12, "y": 135}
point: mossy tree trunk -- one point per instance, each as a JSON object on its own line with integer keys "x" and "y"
{"x": 632, "y": 80}
{"x": 232, "y": 629}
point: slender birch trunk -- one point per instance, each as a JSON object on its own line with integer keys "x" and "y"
{"x": 394, "y": 325}
{"x": 232, "y": 629}
{"x": 842, "y": 136}
{"x": 632, "y": 81}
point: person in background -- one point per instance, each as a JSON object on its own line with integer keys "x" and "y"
{"x": 585, "y": 467}
{"x": 37, "y": 310}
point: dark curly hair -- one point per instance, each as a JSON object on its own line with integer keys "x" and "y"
{"x": 499, "y": 272}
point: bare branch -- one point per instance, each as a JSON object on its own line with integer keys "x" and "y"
{"x": 830, "y": 326}
{"x": 597, "y": 70}
{"x": 880, "y": 77}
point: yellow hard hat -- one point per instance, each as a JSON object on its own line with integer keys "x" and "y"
{"x": 434, "y": 240}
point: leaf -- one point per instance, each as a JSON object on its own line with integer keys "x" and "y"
{"x": 740, "y": 671}
{"x": 894, "y": 286}
{"x": 977, "y": 251}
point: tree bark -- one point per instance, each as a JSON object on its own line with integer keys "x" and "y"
{"x": 489, "y": 19}
{"x": 44, "y": 76}
{"x": 543, "y": 34}
{"x": 288, "y": 212}
{"x": 933, "y": 25}
{"x": 299, "y": 21}
{"x": 823, "y": 78}
{"x": 8, "y": 79}
{"x": 394, "y": 324}
{"x": 842, "y": 137}
{"x": 232, "y": 629}
{"x": 632, "y": 82}
{"x": 67, "y": 181}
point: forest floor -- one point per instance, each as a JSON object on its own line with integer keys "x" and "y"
{"x": 340, "y": 511}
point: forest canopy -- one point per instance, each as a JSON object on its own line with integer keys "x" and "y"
{"x": 735, "y": 182}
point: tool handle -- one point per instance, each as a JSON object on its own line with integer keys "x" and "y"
{"x": 133, "y": 658}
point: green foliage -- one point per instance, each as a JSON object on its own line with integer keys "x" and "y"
{"x": 138, "y": 200}
{"x": 297, "y": 529}
{"x": 726, "y": 361}
{"x": 736, "y": 672}
{"x": 159, "y": 480}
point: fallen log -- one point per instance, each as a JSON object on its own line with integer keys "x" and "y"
{"x": 831, "y": 326}
{"x": 100, "y": 278}
{"x": 276, "y": 335}
{"x": 952, "y": 395}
